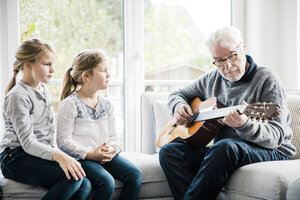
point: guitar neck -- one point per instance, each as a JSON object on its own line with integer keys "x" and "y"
{"x": 217, "y": 113}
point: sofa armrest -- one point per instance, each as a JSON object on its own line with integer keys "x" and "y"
{"x": 147, "y": 120}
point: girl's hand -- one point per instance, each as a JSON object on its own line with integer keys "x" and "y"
{"x": 109, "y": 154}
{"x": 102, "y": 154}
{"x": 69, "y": 165}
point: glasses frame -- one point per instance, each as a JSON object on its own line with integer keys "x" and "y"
{"x": 233, "y": 54}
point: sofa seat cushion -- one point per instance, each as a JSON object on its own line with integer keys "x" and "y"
{"x": 266, "y": 180}
{"x": 154, "y": 184}
{"x": 15, "y": 190}
{"x": 293, "y": 192}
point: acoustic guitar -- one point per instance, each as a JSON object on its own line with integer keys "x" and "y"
{"x": 200, "y": 129}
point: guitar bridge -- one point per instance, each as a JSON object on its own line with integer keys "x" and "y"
{"x": 190, "y": 121}
{"x": 172, "y": 129}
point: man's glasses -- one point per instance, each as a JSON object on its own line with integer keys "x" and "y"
{"x": 231, "y": 58}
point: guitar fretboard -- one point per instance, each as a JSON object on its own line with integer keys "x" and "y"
{"x": 217, "y": 113}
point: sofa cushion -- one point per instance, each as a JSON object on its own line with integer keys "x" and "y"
{"x": 154, "y": 184}
{"x": 293, "y": 192}
{"x": 294, "y": 107}
{"x": 161, "y": 116}
{"x": 15, "y": 190}
{"x": 147, "y": 120}
{"x": 265, "y": 180}
{"x": 154, "y": 181}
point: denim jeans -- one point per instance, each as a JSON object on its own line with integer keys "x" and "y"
{"x": 19, "y": 166}
{"x": 102, "y": 178}
{"x": 201, "y": 173}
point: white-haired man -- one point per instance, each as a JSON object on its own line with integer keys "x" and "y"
{"x": 201, "y": 173}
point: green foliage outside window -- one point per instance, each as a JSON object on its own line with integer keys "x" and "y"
{"x": 72, "y": 25}
{"x": 171, "y": 37}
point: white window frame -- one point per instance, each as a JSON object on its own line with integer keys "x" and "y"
{"x": 134, "y": 71}
{"x": 9, "y": 41}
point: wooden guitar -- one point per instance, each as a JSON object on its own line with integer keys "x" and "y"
{"x": 200, "y": 129}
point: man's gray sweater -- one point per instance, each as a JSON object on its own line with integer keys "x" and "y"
{"x": 259, "y": 84}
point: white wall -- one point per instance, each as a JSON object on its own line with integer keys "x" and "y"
{"x": 289, "y": 63}
{"x": 9, "y": 31}
{"x": 270, "y": 31}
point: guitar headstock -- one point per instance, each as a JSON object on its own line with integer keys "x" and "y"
{"x": 262, "y": 111}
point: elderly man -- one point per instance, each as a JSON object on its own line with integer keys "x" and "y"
{"x": 201, "y": 173}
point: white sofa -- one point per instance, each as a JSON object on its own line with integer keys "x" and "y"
{"x": 264, "y": 181}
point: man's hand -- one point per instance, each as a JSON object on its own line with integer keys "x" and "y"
{"x": 234, "y": 119}
{"x": 182, "y": 113}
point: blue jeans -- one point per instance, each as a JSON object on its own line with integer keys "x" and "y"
{"x": 201, "y": 173}
{"x": 19, "y": 166}
{"x": 102, "y": 178}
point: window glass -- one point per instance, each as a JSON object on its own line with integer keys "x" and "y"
{"x": 175, "y": 32}
{"x": 72, "y": 26}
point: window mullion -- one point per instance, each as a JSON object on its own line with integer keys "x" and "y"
{"x": 9, "y": 41}
{"x": 134, "y": 71}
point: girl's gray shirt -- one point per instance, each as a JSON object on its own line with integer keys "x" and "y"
{"x": 259, "y": 84}
{"x": 28, "y": 121}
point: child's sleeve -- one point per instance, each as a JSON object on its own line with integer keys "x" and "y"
{"x": 18, "y": 108}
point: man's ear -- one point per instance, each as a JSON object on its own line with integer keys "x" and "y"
{"x": 244, "y": 47}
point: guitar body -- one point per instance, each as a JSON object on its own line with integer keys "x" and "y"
{"x": 197, "y": 134}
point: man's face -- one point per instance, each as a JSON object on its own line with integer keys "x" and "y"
{"x": 230, "y": 60}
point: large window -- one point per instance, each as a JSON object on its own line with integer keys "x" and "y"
{"x": 174, "y": 33}
{"x": 72, "y": 26}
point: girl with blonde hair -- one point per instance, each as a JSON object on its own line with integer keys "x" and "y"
{"x": 86, "y": 128}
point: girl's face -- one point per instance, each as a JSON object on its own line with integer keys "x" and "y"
{"x": 99, "y": 79}
{"x": 44, "y": 68}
